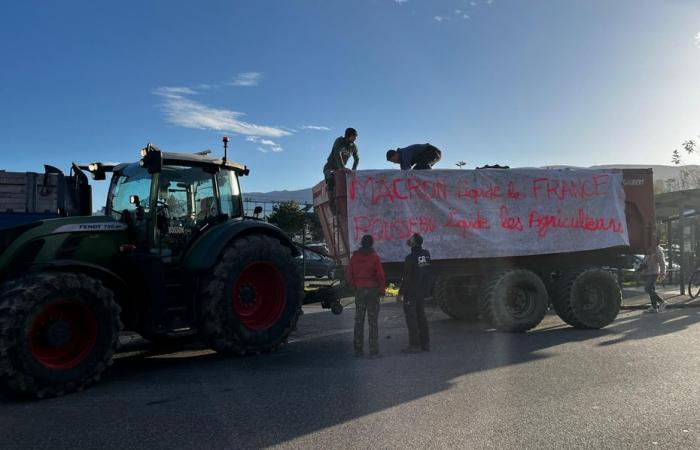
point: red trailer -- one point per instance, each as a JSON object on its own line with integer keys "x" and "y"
{"x": 503, "y": 275}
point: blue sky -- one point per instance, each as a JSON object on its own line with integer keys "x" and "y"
{"x": 524, "y": 83}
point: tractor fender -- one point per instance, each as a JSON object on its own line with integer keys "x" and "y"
{"x": 205, "y": 251}
{"x": 110, "y": 279}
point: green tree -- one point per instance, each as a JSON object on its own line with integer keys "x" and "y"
{"x": 689, "y": 177}
{"x": 288, "y": 216}
{"x": 314, "y": 227}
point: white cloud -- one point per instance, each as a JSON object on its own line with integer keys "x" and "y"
{"x": 697, "y": 39}
{"x": 273, "y": 145}
{"x": 314, "y": 127}
{"x": 246, "y": 79}
{"x": 439, "y": 18}
{"x": 252, "y": 138}
{"x": 472, "y": 3}
{"x": 466, "y": 16}
{"x": 458, "y": 11}
{"x": 263, "y": 150}
{"x": 175, "y": 91}
{"x": 401, "y": 1}
{"x": 181, "y": 110}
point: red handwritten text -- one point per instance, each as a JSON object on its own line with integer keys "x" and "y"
{"x": 390, "y": 190}
{"x": 562, "y": 189}
{"x": 489, "y": 192}
{"x": 582, "y": 221}
{"x": 508, "y": 222}
{"x": 388, "y": 230}
{"x": 477, "y": 223}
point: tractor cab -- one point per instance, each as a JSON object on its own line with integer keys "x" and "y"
{"x": 169, "y": 199}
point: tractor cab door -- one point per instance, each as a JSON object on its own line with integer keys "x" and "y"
{"x": 187, "y": 201}
{"x": 129, "y": 202}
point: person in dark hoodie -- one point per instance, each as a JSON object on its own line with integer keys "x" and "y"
{"x": 415, "y": 288}
{"x": 366, "y": 276}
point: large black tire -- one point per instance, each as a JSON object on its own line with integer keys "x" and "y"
{"x": 58, "y": 332}
{"x": 252, "y": 300}
{"x": 455, "y": 303}
{"x": 514, "y": 300}
{"x": 588, "y": 298}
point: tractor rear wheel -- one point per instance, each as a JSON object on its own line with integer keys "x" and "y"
{"x": 587, "y": 298}
{"x": 514, "y": 300}
{"x": 455, "y": 302}
{"x": 58, "y": 332}
{"x": 252, "y": 300}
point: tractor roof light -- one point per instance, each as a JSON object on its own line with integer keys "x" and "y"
{"x": 94, "y": 167}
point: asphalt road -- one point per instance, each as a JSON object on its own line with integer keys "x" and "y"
{"x": 634, "y": 384}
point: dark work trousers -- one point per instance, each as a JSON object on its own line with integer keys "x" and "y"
{"x": 418, "y": 334}
{"x": 367, "y": 301}
{"x": 650, "y": 288}
{"x": 427, "y": 159}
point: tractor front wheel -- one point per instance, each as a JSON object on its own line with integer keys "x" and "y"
{"x": 58, "y": 332}
{"x": 253, "y": 298}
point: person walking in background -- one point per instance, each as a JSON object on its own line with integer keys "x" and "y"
{"x": 653, "y": 269}
{"x": 416, "y": 156}
{"x": 343, "y": 148}
{"x": 366, "y": 275}
{"x": 415, "y": 288}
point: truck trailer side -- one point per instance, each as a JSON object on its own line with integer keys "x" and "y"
{"x": 513, "y": 291}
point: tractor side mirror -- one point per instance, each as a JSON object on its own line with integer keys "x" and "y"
{"x": 135, "y": 200}
{"x": 257, "y": 211}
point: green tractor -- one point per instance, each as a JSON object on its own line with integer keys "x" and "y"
{"x": 172, "y": 258}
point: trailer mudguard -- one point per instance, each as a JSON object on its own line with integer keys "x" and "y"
{"x": 205, "y": 251}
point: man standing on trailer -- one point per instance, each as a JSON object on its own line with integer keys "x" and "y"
{"x": 343, "y": 148}
{"x": 366, "y": 275}
{"x": 415, "y": 288}
{"x": 416, "y": 156}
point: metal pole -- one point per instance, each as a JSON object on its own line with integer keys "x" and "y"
{"x": 303, "y": 248}
{"x": 682, "y": 249}
{"x": 669, "y": 238}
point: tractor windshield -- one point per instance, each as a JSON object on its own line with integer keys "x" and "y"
{"x": 133, "y": 181}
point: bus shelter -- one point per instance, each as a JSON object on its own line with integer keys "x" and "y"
{"x": 678, "y": 215}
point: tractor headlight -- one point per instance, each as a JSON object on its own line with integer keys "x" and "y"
{"x": 93, "y": 167}
{"x": 144, "y": 152}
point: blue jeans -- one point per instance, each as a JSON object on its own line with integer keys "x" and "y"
{"x": 650, "y": 288}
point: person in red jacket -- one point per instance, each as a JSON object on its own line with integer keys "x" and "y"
{"x": 366, "y": 276}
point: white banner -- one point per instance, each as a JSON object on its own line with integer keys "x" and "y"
{"x": 487, "y": 212}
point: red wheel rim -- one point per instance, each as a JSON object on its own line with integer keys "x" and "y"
{"x": 259, "y": 296}
{"x": 63, "y": 335}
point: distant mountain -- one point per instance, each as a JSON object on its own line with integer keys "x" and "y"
{"x": 301, "y": 196}
{"x": 661, "y": 173}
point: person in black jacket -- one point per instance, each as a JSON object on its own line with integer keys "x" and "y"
{"x": 415, "y": 287}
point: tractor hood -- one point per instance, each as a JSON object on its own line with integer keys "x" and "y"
{"x": 61, "y": 238}
{"x": 90, "y": 224}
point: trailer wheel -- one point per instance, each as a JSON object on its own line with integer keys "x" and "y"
{"x": 514, "y": 300}
{"x": 460, "y": 307}
{"x": 252, "y": 299}
{"x": 588, "y": 298}
{"x": 58, "y": 332}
